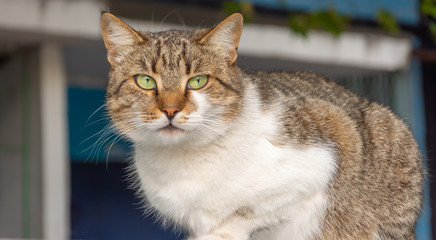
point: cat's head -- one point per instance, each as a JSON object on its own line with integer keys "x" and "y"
{"x": 176, "y": 86}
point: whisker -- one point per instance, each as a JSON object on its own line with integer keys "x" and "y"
{"x": 163, "y": 20}
{"x": 182, "y": 21}
{"x": 95, "y": 134}
{"x": 98, "y": 109}
{"x": 101, "y": 120}
{"x": 101, "y": 140}
{"x": 112, "y": 135}
{"x": 116, "y": 140}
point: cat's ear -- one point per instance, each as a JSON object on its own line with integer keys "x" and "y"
{"x": 226, "y": 35}
{"x": 117, "y": 35}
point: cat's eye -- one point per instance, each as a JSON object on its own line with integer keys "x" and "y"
{"x": 197, "y": 82}
{"x": 145, "y": 82}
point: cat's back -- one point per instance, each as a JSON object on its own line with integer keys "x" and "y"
{"x": 300, "y": 86}
{"x": 378, "y": 183}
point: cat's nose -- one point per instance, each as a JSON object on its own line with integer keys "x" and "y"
{"x": 170, "y": 111}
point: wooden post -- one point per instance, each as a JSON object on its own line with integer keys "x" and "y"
{"x": 55, "y": 163}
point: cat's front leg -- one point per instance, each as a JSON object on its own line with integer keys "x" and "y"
{"x": 236, "y": 227}
{"x": 225, "y": 232}
{"x": 220, "y": 236}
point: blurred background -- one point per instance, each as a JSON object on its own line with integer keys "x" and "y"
{"x": 62, "y": 173}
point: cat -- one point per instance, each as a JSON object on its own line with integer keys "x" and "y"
{"x": 229, "y": 155}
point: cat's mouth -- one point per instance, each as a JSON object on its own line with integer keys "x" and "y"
{"x": 171, "y": 130}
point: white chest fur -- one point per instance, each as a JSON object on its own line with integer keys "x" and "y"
{"x": 200, "y": 187}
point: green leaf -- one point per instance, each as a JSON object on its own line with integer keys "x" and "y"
{"x": 245, "y": 7}
{"x": 428, "y": 7}
{"x": 329, "y": 21}
{"x": 387, "y": 21}
{"x": 299, "y": 23}
{"x": 231, "y": 6}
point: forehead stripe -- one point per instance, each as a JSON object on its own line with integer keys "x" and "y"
{"x": 153, "y": 65}
{"x": 187, "y": 62}
{"x": 158, "y": 48}
{"x": 188, "y": 67}
{"x": 184, "y": 50}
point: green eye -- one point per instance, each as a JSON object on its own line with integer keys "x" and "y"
{"x": 145, "y": 82}
{"x": 197, "y": 82}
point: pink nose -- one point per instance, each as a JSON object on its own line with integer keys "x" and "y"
{"x": 170, "y": 111}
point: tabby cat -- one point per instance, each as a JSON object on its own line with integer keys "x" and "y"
{"x": 229, "y": 155}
